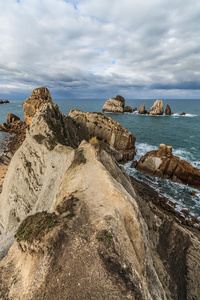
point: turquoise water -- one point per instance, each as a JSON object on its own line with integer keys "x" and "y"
{"x": 180, "y": 132}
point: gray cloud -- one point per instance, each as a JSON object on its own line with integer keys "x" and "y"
{"x": 97, "y": 49}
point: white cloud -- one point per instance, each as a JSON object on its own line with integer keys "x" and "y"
{"x": 96, "y": 48}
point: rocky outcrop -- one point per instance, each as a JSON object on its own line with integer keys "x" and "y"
{"x": 164, "y": 164}
{"x": 128, "y": 109}
{"x": 157, "y": 108}
{"x": 4, "y": 102}
{"x": 183, "y": 114}
{"x": 142, "y": 109}
{"x": 168, "y": 110}
{"x": 88, "y": 234}
{"x": 115, "y": 105}
{"x": 135, "y": 109}
{"x": 38, "y": 97}
{"x": 114, "y": 138}
{"x": 12, "y": 118}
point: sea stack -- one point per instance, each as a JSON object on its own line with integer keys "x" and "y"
{"x": 38, "y": 98}
{"x": 115, "y": 105}
{"x": 142, "y": 110}
{"x": 128, "y": 109}
{"x": 157, "y": 108}
{"x": 168, "y": 110}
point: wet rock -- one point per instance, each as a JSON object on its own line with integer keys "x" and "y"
{"x": 128, "y": 109}
{"x": 162, "y": 163}
{"x": 38, "y": 98}
{"x": 1, "y": 101}
{"x": 168, "y": 110}
{"x": 183, "y": 114}
{"x": 157, "y": 108}
{"x": 135, "y": 109}
{"x": 115, "y": 105}
{"x": 6, "y": 101}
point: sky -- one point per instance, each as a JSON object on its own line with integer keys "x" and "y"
{"x": 97, "y": 49}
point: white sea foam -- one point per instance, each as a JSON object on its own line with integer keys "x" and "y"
{"x": 186, "y": 115}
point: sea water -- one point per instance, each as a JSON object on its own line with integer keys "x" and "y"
{"x": 180, "y": 132}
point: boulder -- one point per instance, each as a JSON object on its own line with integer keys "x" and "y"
{"x": 183, "y": 114}
{"x": 38, "y": 97}
{"x": 142, "y": 110}
{"x": 112, "y": 136}
{"x": 168, "y": 110}
{"x": 162, "y": 163}
{"x": 128, "y": 109}
{"x": 12, "y": 118}
{"x": 6, "y": 101}
{"x": 157, "y": 108}
{"x": 135, "y": 109}
{"x": 1, "y": 101}
{"x": 115, "y": 105}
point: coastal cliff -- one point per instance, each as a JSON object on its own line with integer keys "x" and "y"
{"x": 82, "y": 231}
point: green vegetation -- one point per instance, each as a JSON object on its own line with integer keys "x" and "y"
{"x": 35, "y": 227}
{"x": 80, "y": 158}
{"x": 67, "y": 206}
{"x": 104, "y": 236}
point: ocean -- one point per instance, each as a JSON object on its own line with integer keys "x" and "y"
{"x": 180, "y": 132}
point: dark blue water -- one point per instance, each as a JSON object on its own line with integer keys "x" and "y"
{"x": 180, "y": 132}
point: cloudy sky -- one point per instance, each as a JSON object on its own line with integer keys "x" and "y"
{"x": 100, "y": 48}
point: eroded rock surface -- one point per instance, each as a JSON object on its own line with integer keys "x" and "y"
{"x": 38, "y": 97}
{"x": 157, "y": 108}
{"x": 112, "y": 135}
{"x": 115, "y": 105}
{"x": 128, "y": 109}
{"x": 162, "y": 163}
{"x": 142, "y": 109}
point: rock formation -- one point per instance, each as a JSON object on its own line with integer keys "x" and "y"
{"x": 164, "y": 164}
{"x": 115, "y": 105}
{"x": 135, "y": 109}
{"x": 128, "y": 109}
{"x": 142, "y": 110}
{"x": 183, "y": 114}
{"x": 81, "y": 229}
{"x": 4, "y": 102}
{"x": 157, "y": 108}
{"x": 113, "y": 137}
{"x": 12, "y": 118}
{"x": 168, "y": 110}
{"x": 38, "y": 97}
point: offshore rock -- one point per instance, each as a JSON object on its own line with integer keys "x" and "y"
{"x": 162, "y": 163}
{"x": 6, "y": 101}
{"x": 12, "y": 118}
{"x": 142, "y": 109}
{"x": 38, "y": 97}
{"x": 115, "y": 105}
{"x": 128, "y": 109}
{"x": 113, "y": 136}
{"x": 168, "y": 110}
{"x": 157, "y": 108}
{"x": 135, "y": 109}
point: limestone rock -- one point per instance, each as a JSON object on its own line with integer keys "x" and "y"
{"x": 38, "y": 97}
{"x": 157, "y": 108}
{"x": 12, "y": 118}
{"x": 168, "y": 110}
{"x": 112, "y": 135}
{"x": 6, "y": 101}
{"x": 115, "y": 105}
{"x": 128, "y": 109}
{"x": 162, "y": 163}
{"x": 84, "y": 234}
{"x": 135, "y": 109}
{"x": 142, "y": 109}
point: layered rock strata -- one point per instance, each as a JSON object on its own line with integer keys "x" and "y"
{"x": 88, "y": 234}
{"x": 38, "y": 97}
{"x": 162, "y": 163}
{"x": 112, "y": 136}
{"x": 115, "y": 105}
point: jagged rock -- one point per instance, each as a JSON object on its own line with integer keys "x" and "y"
{"x": 157, "y": 108}
{"x": 183, "y": 114}
{"x": 113, "y": 137}
{"x": 93, "y": 224}
{"x": 162, "y": 163}
{"x": 168, "y": 110}
{"x": 38, "y": 97}
{"x": 12, "y": 118}
{"x": 142, "y": 109}
{"x": 135, "y": 109}
{"x": 6, "y": 101}
{"x": 115, "y": 105}
{"x": 128, "y": 109}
